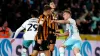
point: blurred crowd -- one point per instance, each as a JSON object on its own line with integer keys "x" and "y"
{"x": 85, "y": 12}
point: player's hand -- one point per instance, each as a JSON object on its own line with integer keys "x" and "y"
{"x": 58, "y": 34}
{"x": 52, "y": 21}
{"x": 39, "y": 41}
{"x": 12, "y": 40}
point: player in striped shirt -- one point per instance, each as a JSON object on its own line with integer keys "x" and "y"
{"x": 42, "y": 43}
{"x": 52, "y": 28}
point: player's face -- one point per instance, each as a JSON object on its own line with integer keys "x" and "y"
{"x": 52, "y": 5}
{"x": 49, "y": 12}
{"x": 66, "y": 15}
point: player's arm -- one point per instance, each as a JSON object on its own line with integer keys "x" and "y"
{"x": 61, "y": 21}
{"x": 19, "y": 30}
{"x": 63, "y": 34}
{"x": 39, "y": 33}
{"x": 41, "y": 21}
{"x": 40, "y": 28}
{"x": 16, "y": 33}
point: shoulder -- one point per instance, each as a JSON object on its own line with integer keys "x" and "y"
{"x": 27, "y": 21}
{"x": 41, "y": 16}
{"x": 36, "y": 19}
{"x": 71, "y": 20}
{"x": 33, "y": 19}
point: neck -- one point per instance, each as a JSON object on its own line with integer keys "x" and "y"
{"x": 52, "y": 10}
{"x": 33, "y": 17}
{"x": 69, "y": 17}
{"x": 45, "y": 13}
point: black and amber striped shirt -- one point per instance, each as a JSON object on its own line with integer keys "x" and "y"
{"x": 47, "y": 27}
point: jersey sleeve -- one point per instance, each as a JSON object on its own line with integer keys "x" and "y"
{"x": 17, "y": 31}
{"x": 71, "y": 21}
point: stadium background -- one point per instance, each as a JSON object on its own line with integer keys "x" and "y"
{"x": 85, "y": 12}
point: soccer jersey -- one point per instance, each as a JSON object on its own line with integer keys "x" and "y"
{"x": 72, "y": 29}
{"x": 44, "y": 31}
{"x": 31, "y": 28}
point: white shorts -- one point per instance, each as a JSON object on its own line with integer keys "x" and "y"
{"x": 72, "y": 43}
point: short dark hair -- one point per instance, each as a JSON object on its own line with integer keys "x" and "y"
{"x": 47, "y": 7}
{"x": 67, "y": 11}
{"x": 51, "y": 2}
{"x": 35, "y": 13}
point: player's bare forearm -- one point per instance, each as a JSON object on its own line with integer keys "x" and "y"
{"x": 63, "y": 34}
{"x": 60, "y": 21}
{"x": 58, "y": 34}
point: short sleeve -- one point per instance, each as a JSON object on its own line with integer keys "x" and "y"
{"x": 71, "y": 21}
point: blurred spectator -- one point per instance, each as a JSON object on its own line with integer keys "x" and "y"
{"x": 97, "y": 30}
{"x": 88, "y": 5}
{"x": 85, "y": 12}
{"x": 75, "y": 10}
{"x": 84, "y": 22}
{"x": 95, "y": 18}
{"x": 5, "y": 31}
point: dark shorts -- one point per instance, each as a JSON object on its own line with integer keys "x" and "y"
{"x": 52, "y": 39}
{"x": 42, "y": 47}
